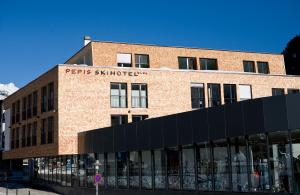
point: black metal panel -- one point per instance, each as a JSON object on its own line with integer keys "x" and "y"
{"x": 143, "y": 135}
{"x": 119, "y": 138}
{"x": 98, "y": 141}
{"x": 275, "y": 113}
{"x": 293, "y": 110}
{"x": 253, "y": 116}
{"x": 170, "y": 131}
{"x": 185, "y": 129}
{"x": 216, "y": 122}
{"x": 156, "y": 134}
{"x": 108, "y": 136}
{"x": 199, "y": 122}
{"x": 234, "y": 120}
{"x": 131, "y": 137}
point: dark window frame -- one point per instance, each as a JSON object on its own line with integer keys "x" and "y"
{"x": 205, "y": 65}
{"x": 138, "y": 63}
{"x": 120, "y": 119}
{"x": 233, "y": 97}
{"x": 188, "y": 66}
{"x": 140, "y": 97}
{"x": 198, "y": 99}
{"x": 212, "y": 100}
{"x": 246, "y": 63}
{"x": 261, "y": 69}
{"x": 119, "y": 95}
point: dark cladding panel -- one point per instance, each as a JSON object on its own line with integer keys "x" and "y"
{"x": 234, "y": 120}
{"x": 253, "y": 116}
{"x": 108, "y": 135}
{"x": 156, "y": 135}
{"x": 131, "y": 137}
{"x": 293, "y": 110}
{"x": 216, "y": 122}
{"x": 119, "y": 138}
{"x": 170, "y": 132}
{"x": 143, "y": 135}
{"x": 185, "y": 130}
{"x": 98, "y": 141}
{"x": 275, "y": 113}
{"x": 199, "y": 123}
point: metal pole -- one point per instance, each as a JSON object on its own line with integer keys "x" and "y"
{"x": 28, "y": 192}
{"x": 16, "y": 191}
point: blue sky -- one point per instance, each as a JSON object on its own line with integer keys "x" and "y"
{"x": 35, "y": 35}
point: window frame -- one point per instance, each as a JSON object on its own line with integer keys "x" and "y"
{"x": 260, "y": 68}
{"x": 187, "y": 63}
{"x": 253, "y": 66}
{"x": 205, "y": 66}
{"x": 140, "y": 97}
{"x": 119, "y": 95}
{"x": 138, "y": 65}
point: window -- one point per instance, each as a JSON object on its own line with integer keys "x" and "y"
{"x": 291, "y": 91}
{"x": 263, "y": 67}
{"x": 122, "y": 168}
{"x": 18, "y": 111}
{"x": 204, "y": 167}
{"x": 208, "y": 64}
{"x": 90, "y": 169}
{"x": 146, "y": 172}
{"x": 118, "y": 95}
{"x": 12, "y": 140}
{"x": 34, "y": 131}
{"x": 43, "y": 132}
{"x": 277, "y": 91}
{"x": 249, "y": 66}
{"x": 134, "y": 169}
{"x": 239, "y": 164}
{"x": 81, "y": 170}
{"x": 24, "y": 103}
{"x": 141, "y": 61}
{"x": 119, "y": 120}
{"x": 295, "y": 136}
{"x": 137, "y": 118}
{"x": 17, "y": 137}
{"x": 245, "y": 92}
{"x": 159, "y": 169}
{"x": 35, "y": 103}
{"x": 197, "y": 95}
{"x": 101, "y": 170}
{"x": 214, "y": 94}
{"x": 139, "y": 95}
{"x": 23, "y": 136}
{"x": 221, "y": 166}
{"x": 173, "y": 168}
{"x": 124, "y": 60}
{"x": 44, "y": 99}
{"x": 50, "y": 130}
{"x": 13, "y": 114}
{"x": 187, "y": 63}
{"x": 188, "y": 168}
{"x": 29, "y": 106}
{"x": 229, "y": 93}
{"x": 50, "y": 96}
{"x": 28, "y": 141}
{"x": 111, "y": 170}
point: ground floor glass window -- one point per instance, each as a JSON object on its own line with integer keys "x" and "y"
{"x": 204, "y": 168}
{"x": 159, "y": 169}
{"x": 188, "y": 168}
{"x": 146, "y": 169}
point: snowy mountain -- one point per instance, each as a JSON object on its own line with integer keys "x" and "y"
{"x": 7, "y": 89}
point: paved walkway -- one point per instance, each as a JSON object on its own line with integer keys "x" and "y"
{"x": 18, "y": 189}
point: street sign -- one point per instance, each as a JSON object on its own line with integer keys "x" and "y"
{"x": 97, "y": 178}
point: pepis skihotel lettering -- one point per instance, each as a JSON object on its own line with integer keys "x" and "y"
{"x": 105, "y": 72}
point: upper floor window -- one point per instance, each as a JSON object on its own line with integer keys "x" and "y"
{"x": 119, "y": 120}
{"x": 43, "y": 131}
{"x": 229, "y": 93}
{"x": 139, "y": 95}
{"x": 13, "y": 113}
{"x": 118, "y": 95}
{"x": 34, "y": 131}
{"x": 187, "y": 63}
{"x": 249, "y": 66}
{"x": 44, "y": 99}
{"x": 124, "y": 60}
{"x": 245, "y": 92}
{"x": 197, "y": 95}
{"x": 50, "y": 130}
{"x": 29, "y": 106}
{"x": 214, "y": 94}
{"x": 28, "y": 136}
{"x": 277, "y": 91}
{"x": 35, "y": 103}
{"x": 137, "y": 118}
{"x": 141, "y": 61}
{"x": 50, "y": 96}
{"x": 208, "y": 64}
{"x": 24, "y": 103}
{"x": 18, "y": 111}
{"x": 263, "y": 67}
{"x": 290, "y": 91}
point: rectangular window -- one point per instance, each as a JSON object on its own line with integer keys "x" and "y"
{"x": 188, "y": 168}
{"x": 29, "y": 106}
{"x": 249, "y": 66}
{"x": 124, "y": 60}
{"x": 44, "y": 99}
{"x": 214, "y": 94}
{"x": 159, "y": 169}
{"x": 139, "y": 96}
{"x": 122, "y": 168}
{"x": 50, "y": 130}
{"x": 28, "y": 141}
{"x": 90, "y": 169}
{"x": 17, "y": 137}
{"x": 18, "y": 111}
{"x": 100, "y": 158}
{"x": 119, "y": 120}
{"x": 141, "y": 61}
{"x": 245, "y": 92}
{"x": 197, "y": 95}
{"x": 50, "y": 96}
{"x": 23, "y": 136}
{"x": 134, "y": 169}
{"x": 208, "y": 64}
{"x": 24, "y": 103}
{"x": 12, "y": 140}
{"x": 263, "y": 67}
{"x": 188, "y": 63}
{"x": 229, "y": 93}
{"x": 13, "y": 113}
{"x": 111, "y": 170}
{"x": 204, "y": 167}
{"x": 277, "y": 91}
{"x": 291, "y": 91}
{"x": 173, "y": 168}
{"x": 34, "y": 133}
{"x": 137, "y": 118}
{"x": 81, "y": 170}
{"x": 43, "y": 132}
{"x": 146, "y": 172}
{"x": 118, "y": 95}
{"x": 295, "y": 138}
{"x": 35, "y": 103}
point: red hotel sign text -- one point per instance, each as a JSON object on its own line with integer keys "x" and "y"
{"x": 105, "y": 72}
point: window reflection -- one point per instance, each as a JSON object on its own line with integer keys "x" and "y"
{"x": 134, "y": 169}
{"x": 295, "y": 135}
{"x": 173, "y": 168}
{"x": 146, "y": 163}
{"x": 81, "y": 173}
{"x": 111, "y": 171}
{"x": 100, "y": 158}
{"x": 159, "y": 169}
{"x": 188, "y": 168}
{"x": 204, "y": 178}
{"x": 90, "y": 169}
{"x": 122, "y": 169}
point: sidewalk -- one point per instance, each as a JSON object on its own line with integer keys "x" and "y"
{"x": 22, "y": 190}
